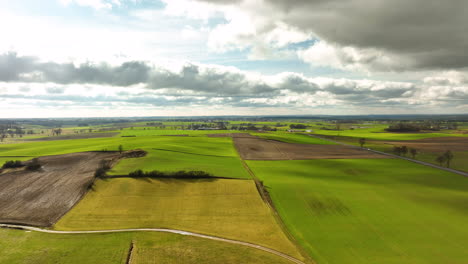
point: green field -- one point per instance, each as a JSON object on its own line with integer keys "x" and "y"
{"x": 214, "y": 155}
{"x": 149, "y": 131}
{"x": 292, "y": 138}
{"x": 382, "y": 211}
{"x": 225, "y": 208}
{"x": 377, "y": 132}
{"x": 19, "y": 247}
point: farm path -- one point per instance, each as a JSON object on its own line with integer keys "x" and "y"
{"x": 173, "y": 231}
{"x": 396, "y": 156}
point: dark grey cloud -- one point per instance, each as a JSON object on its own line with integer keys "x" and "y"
{"x": 26, "y": 68}
{"x": 428, "y": 34}
{"x": 212, "y": 85}
{"x": 209, "y": 80}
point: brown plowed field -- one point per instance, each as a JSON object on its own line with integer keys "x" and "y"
{"x": 41, "y": 197}
{"x": 440, "y": 144}
{"x": 261, "y": 149}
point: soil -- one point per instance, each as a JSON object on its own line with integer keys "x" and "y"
{"x": 41, "y": 197}
{"x": 440, "y": 144}
{"x": 261, "y": 149}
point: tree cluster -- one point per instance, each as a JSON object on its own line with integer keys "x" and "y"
{"x": 446, "y": 158}
{"x": 404, "y": 150}
{"x": 12, "y": 164}
{"x": 178, "y": 174}
{"x": 34, "y": 165}
{"x": 297, "y": 126}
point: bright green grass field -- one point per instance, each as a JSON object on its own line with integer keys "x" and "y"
{"x": 149, "y": 131}
{"x": 198, "y": 145}
{"x": 293, "y": 138}
{"x": 219, "y": 207}
{"x": 214, "y": 155}
{"x": 19, "y": 247}
{"x": 167, "y": 160}
{"x": 384, "y": 211}
{"x": 378, "y": 133}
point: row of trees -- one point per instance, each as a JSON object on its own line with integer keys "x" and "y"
{"x": 446, "y": 158}
{"x": 404, "y": 150}
{"x": 416, "y": 127}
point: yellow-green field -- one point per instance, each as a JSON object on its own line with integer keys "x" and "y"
{"x": 20, "y": 247}
{"x": 219, "y": 207}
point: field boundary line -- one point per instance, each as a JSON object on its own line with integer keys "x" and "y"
{"x": 162, "y": 230}
{"x": 269, "y": 202}
{"x": 396, "y": 156}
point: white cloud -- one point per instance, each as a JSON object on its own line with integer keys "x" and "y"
{"x": 142, "y": 84}
{"x": 322, "y": 53}
{"x": 242, "y": 29}
{"x": 96, "y": 4}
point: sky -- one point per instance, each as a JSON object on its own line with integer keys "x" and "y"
{"x": 108, "y": 58}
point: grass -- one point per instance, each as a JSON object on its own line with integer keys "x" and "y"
{"x": 167, "y": 160}
{"x": 149, "y": 131}
{"x": 226, "y": 208}
{"x": 382, "y": 211}
{"x": 458, "y": 162}
{"x": 293, "y": 138}
{"x": 377, "y": 132}
{"x": 214, "y": 155}
{"x": 30, "y": 247}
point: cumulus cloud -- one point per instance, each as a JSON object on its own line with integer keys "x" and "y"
{"x": 378, "y": 34}
{"x": 142, "y": 83}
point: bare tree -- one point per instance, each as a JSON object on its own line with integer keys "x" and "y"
{"x": 448, "y": 157}
{"x": 362, "y": 142}
{"x": 441, "y": 159}
{"x": 404, "y": 150}
{"x": 397, "y": 150}
{"x": 413, "y": 152}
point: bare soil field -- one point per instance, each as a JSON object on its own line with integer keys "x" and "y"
{"x": 74, "y": 136}
{"x": 41, "y": 197}
{"x": 439, "y": 144}
{"x": 260, "y": 149}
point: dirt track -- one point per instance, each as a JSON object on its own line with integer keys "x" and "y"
{"x": 440, "y": 144}
{"x": 251, "y": 148}
{"x": 163, "y": 230}
{"x": 41, "y": 197}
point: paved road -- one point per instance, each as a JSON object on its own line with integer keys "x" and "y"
{"x": 174, "y": 231}
{"x": 396, "y": 156}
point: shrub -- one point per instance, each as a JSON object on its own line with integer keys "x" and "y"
{"x": 34, "y": 165}
{"x": 12, "y": 164}
{"x": 177, "y": 174}
{"x": 104, "y": 166}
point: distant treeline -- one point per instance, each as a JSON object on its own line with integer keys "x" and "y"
{"x": 416, "y": 127}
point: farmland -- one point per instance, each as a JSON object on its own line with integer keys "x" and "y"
{"x": 27, "y": 196}
{"x": 252, "y": 148}
{"x": 334, "y": 203}
{"x": 374, "y": 211}
{"x": 220, "y": 207}
{"x": 30, "y": 247}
